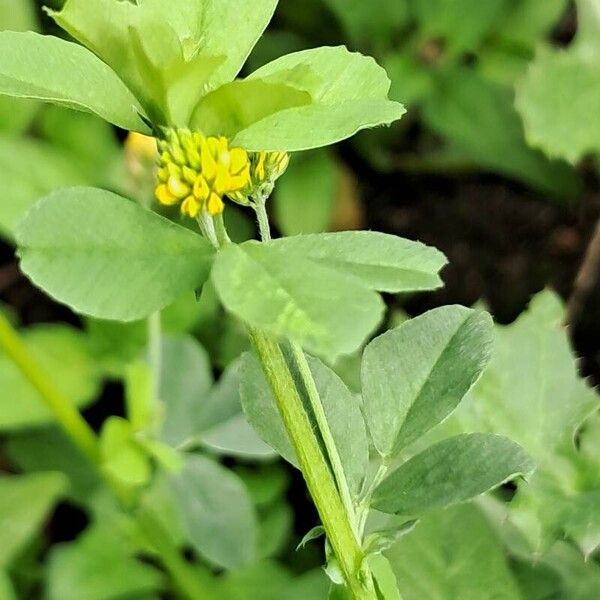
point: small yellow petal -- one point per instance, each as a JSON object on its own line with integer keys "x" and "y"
{"x": 190, "y": 207}
{"x": 164, "y": 196}
{"x": 201, "y": 189}
{"x": 177, "y": 187}
{"x": 215, "y": 205}
{"x": 189, "y": 175}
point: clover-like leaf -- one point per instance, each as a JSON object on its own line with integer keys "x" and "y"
{"x": 169, "y": 53}
{"x": 414, "y": 376}
{"x": 453, "y": 470}
{"x": 559, "y": 99}
{"x": 348, "y": 93}
{"x": 107, "y": 257}
{"x": 64, "y": 73}
{"x": 327, "y": 311}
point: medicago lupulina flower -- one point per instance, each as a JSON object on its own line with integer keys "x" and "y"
{"x": 197, "y": 172}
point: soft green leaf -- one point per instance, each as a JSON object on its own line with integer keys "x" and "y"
{"x": 18, "y": 15}
{"x": 50, "y": 449}
{"x": 185, "y": 381}
{"x": 16, "y": 114}
{"x": 62, "y": 353}
{"x": 532, "y": 391}
{"x": 7, "y": 590}
{"x": 61, "y": 72}
{"x": 313, "y": 534}
{"x": 385, "y": 579}
{"x": 559, "y": 101}
{"x": 369, "y": 21}
{"x": 236, "y": 106}
{"x": 25, "y": 501}
{"x": 461, "y": 24}
{"x": 582, "y": 522}
{"x": 326, "y": 311}
{"x": 123, "y": 459}
{"x": 348, "y": 91}
{"x": 169, "y": 53}
{"x": 275, "y": 529}
{"x": 452, "y": 555}
{"x": 341, "y": 408}
{"x": 414, "y": 376}
{"x": 478, "y": 119}
{"x": 217, "y": 512}
{"x": 107, "y": 257}
{"x": 305, "y": 197}
{"x": 529, "y": 21}
{"x": 383, "y": 262}
{"x": 260, "y": 408}
{"x": 30, "y": 169}
{"x": 78, "y": 571}
{"x": 453, "y": 470}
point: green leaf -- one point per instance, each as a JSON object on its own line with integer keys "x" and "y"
{"x": 348, "y": 91}
{"x": 365, "y": 22}
{"x": 382, "y": 262}
{"x": 18, "y": 15}
{"x": 78, "y": 571}
{"x": 305, "y": 197}
{"x": 107, "y": 257}
{"x": 341, "y": 408}
{"x": 25, "y": 502}
{"x": 261, "y": 410}
{"x": 185, "y": 382}
{"x": 50, "y": 449}
{"x": 559, "y": 89}
{"x": 169, "y": 54}
{"x": 123, "y": 458}
{"x": 452, "y": 555}
{"x": 529, "y": 21}
{"x": 7, "y": 590}
{"x": 326, "y": 311}
{"x": 64, "y": 73}
{"x": 533, "y": 393}
{"x": 385, "y": 579}
{"x": 236, "y": 106}
{"x": 478, "y": 119}
{"x": 30, "y": 169}
{"x": 61, "y": 351}
{"x": 562, "y": 86}
{"x": 414, "y": 376}
{"x": 582, "y": 522}
{"x": 453, "y": 470}
{"x": 217, "y": 512}
{"x": 17, "y": 114}
{"x": 446, "y": 19}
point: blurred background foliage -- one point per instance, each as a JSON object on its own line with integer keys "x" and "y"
{"x": 495, "y": 163}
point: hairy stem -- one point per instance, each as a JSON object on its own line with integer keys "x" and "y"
{"x": 317, "y": 474}
{"x": 263, "y": 221}
{"x": 332, "y": 452}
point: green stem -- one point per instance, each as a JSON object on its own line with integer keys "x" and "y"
{"x": 315, "y": 468}
{"x": 330, "y": 446}
{"x": 222, "y": 236}
{"x": 263, "y": 220}
{"x": 63, "y": 410}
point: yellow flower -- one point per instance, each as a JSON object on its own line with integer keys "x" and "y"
{"x": 198, "y": 171}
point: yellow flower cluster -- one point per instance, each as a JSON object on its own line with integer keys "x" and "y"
{"x": 265, "y": 169}
{"x": 198, "y": 171}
